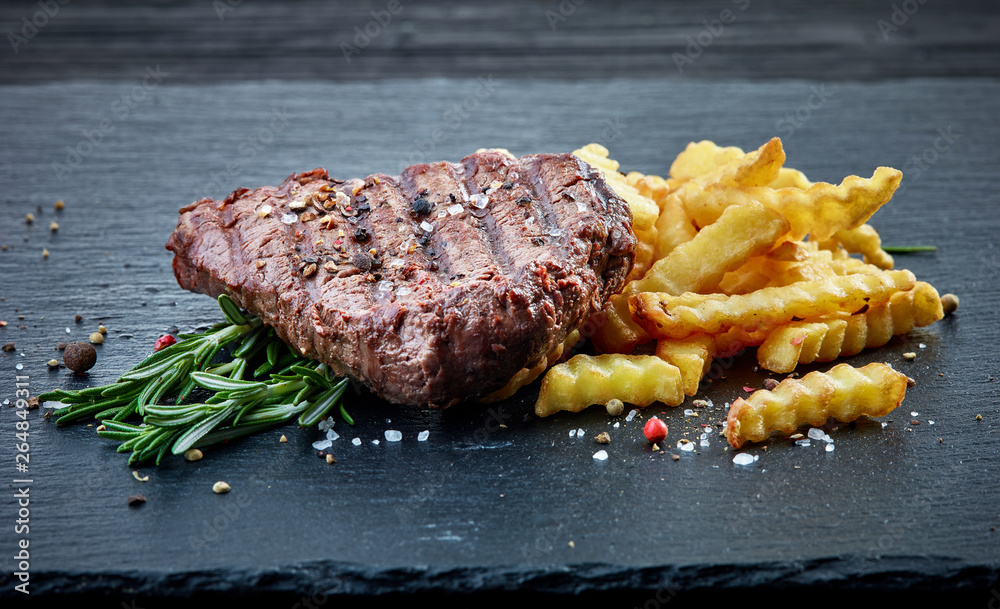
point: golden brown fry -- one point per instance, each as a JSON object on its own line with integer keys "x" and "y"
{"x": 741, "y": 232}
{"x": 844, "y": 393}
{"x": 644, "y": 210}
{"x": 692, "y": 356}
{"x": 665, "y": 316}
{"x": 791, "y": 178}
{"x": 825, "y": 339}
{"x": 756, "y": 168}
{"x": 645, "y": 249}
{"x": 652, "y": 187}
{"x": 617, "y": 332}
{"x": 862, "y": 240}
{"x": 699, "y": 158}
{"x": 673, "y": 228}
{"x": 596, "y": 379}
{"x": 820, "y": 211}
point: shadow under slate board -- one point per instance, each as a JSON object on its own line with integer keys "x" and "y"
{"x": 495, "y": 501}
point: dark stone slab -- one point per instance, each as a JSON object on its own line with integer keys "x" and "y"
{"x": 483, "y": 511}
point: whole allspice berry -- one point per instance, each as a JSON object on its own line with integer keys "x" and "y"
{"x": 79, "y": 357}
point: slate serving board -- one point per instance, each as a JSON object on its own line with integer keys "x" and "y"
{"x": 479, "y": 510}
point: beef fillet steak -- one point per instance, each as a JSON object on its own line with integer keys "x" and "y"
{"x": 431, "y": 287}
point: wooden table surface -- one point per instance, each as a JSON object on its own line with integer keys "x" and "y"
{"x": 127, "y": 112}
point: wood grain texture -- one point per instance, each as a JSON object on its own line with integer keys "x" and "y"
{"x": 480, "y": 507}
{"x": 235, "y": 40}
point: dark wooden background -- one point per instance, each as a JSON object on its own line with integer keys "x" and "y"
{"x": 479, "y": 514}
{"x": 237, "y": 40}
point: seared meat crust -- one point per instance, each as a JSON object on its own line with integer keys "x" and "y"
{"x": 431, "y": 287}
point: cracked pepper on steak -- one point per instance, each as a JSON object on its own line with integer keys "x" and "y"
{"x": 431, "y": 287}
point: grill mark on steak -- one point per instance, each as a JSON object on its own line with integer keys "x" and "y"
{"x": 426, "y": 341}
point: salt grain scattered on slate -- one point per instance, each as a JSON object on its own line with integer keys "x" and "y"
{"x": 829, "y": 448}
{"x": 322, "y": 444}
{"x": 631, "y": 414}
{"x": 601, "y": 455}
{"x": 572, "y": 433}
{"x": 326, "y": 424}
{"x": 816, "y": 433}
{"x": 579, "y": 433}
{"x": 356, "y": 441}
{"x": 391, "y": 435}
{"x": 743, "y": 459}
{"x": 331, "y": 435}
{"x": 803, "y": 442}
{"x": 422, "y": 436}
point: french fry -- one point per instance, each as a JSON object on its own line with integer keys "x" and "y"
{"x": 665, "y": 316}
{"x": 844, "y": 393}
{"x": 673, "y": 228}
{"x": 741, "y": 232}
{"x": 644, "y": 210}
{"x": 692, "y": 356}
{"x": 756, "y": 168}
{"x": 820, "y": 211}
{"x": 645, "y": 251}
{"x": 699, "y": 158}
{"x": 618, "y": 333}
{"x": 826, "y": 339}
{"x": 585, "y": 380}
{"x": 791, "y": 178}
{"x": 862, "y": 240}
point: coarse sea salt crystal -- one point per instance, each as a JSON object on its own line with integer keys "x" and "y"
{"x": 384, "y": 286}
{"x": 743, "y": 459}
{"x": 704, "y": 443}
{"x": 923, "y": 346}
{"x": 322, "y": 444}
{"x": 829, "y": 448}
{"x": 631, "y": 414}
{"x": 686, "y": 446}
{"x": 404, "y": 291}
{"x": 688, "y": 412}
{"x": 884, "y": 424}
{"x": 264, "y": 210}
{"x": 288, "y": 218}
{"x": 426, "y": 226}
{"x": 376, "y": 442}
{"x": 930, "y": 422}
{"x": 572, "y": 433}
{"x": 601, "y": 455}
{"x": 616, "y": 425}
{"x": 331, "y": 435}
{"x": 68, "y": 331}
{"x": 392, "y": 435}
{"x": 914, "y": 413}
{"x": 455, "y": 209}
{"x": 826, "y": 438}
{"x": 579, "y": 433}
{"x": 422, "y": 436}
{"x": 356, "y": 441}
{"x": 816, "y": 433}
{"x": 479, "y": 201}
{"x": 20, "y": 366}
{"x": 803, "y": 442}
{"x": 326, "y": 424}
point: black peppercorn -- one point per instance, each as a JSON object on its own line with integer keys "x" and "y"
{"x": 79, "y": 357}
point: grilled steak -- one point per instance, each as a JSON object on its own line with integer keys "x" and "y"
{"x": 430, "y": 287}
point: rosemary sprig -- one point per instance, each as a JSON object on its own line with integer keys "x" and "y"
{"x": 282, "y": 387}
{"x": 908, "y": 249}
